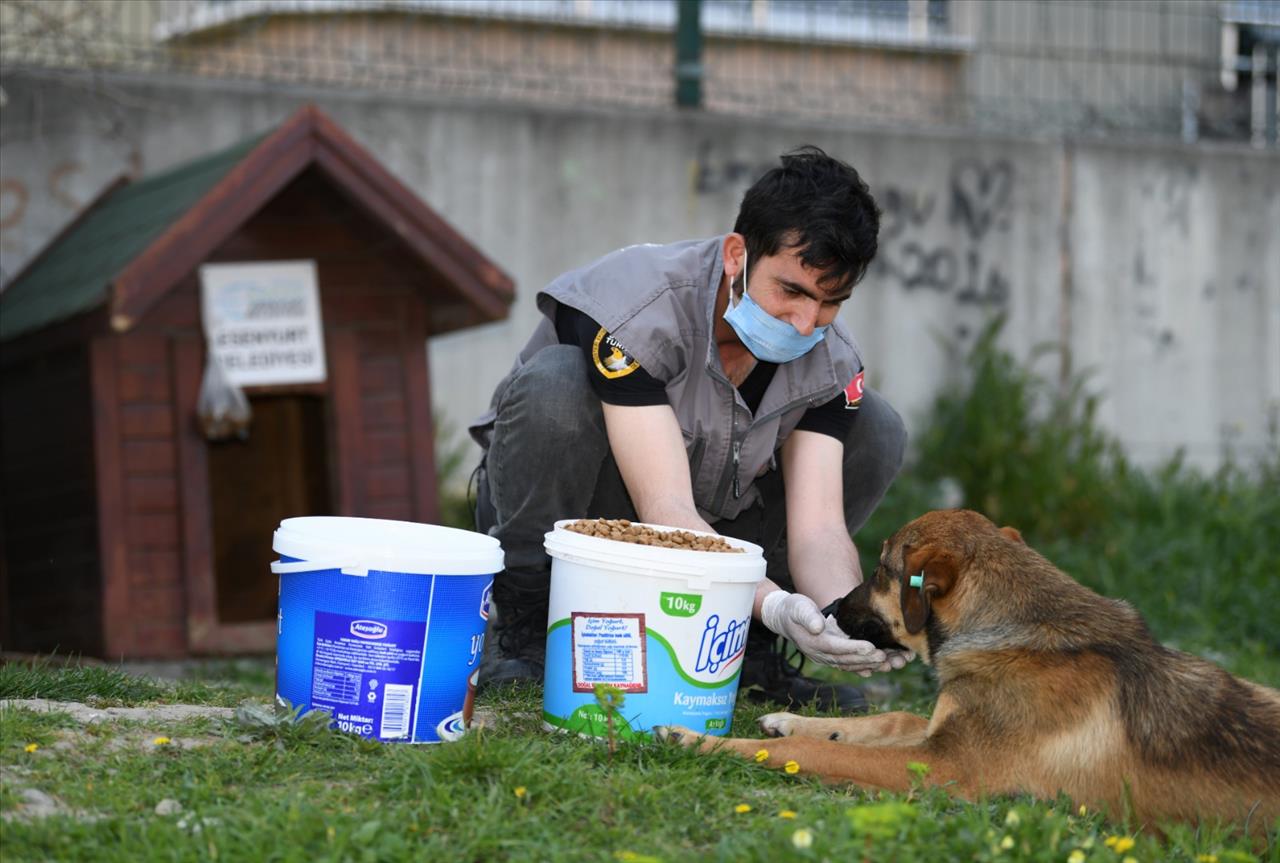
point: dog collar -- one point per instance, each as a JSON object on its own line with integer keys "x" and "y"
{"x": 917, "y": 580}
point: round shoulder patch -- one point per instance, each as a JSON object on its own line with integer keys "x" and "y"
{"x": 612, "y": 360}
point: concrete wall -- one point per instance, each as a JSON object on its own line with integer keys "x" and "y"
{"x": 1159, "y": 267}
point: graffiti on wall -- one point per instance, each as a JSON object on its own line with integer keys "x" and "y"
{"x": 18, "y": 196}
{"x": 712, "y": 174}
{"x": 936, "y": 240}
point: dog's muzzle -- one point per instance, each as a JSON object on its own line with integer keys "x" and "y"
{"x": 860, "y": 622}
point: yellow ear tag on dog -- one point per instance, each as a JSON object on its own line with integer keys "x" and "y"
{"x": 917, "y": 580}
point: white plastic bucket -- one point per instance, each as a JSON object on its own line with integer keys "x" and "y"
{"x": 666, "y": 626}
{"x": 382, "y": 622}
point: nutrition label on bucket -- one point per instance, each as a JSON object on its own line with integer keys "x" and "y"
{"x": 609, "y": 649}
{"x": 365, "y": 672}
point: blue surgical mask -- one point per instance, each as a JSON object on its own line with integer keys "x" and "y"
{"x": 767, "y": 338}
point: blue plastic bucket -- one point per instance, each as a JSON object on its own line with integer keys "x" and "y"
{"x": 665, "y": 626}
{"x": 381, "y": 623}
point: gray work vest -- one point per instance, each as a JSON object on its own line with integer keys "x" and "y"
{"x": 658, "y": 302}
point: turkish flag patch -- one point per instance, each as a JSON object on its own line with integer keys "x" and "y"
{"x": 853, "y": 393}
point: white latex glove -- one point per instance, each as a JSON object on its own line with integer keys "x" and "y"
{"x": 894, "y": 659}
{"x": 797, "y": 617}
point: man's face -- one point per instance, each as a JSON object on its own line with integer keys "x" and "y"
{"x": 789, "y": 291}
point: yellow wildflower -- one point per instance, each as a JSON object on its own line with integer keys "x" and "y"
{"x": 31, "y": 747}
{"x": 791, "y": 767}
{"x": 787, "y": 813}
{"x": 742, "y": 808}
{"x": 1084, "y": 810}
{"x": 1076, "y": 856}
{"x": 521, "y": 791}
{"x": 162, "y": 741}
{"x": 1012, "y": 819}
{"x": 1111, "y": 841}
{"x": 802, "y": 838}
{"x": 762, "y": 755}
{"x": 1206, "y": 858}
{"x": 1006, "y": 843}
{"x": 635, "y": 857}
{"x": 1129, "y": 860}
{"x": 1122, "y": 844}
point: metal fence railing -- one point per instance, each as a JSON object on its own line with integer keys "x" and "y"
{"x": 1177, "y": 68}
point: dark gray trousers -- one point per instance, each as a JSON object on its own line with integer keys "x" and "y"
{"x": 549, "y": 459}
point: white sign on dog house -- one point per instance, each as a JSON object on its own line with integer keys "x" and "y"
{"x": 262, "y": 321}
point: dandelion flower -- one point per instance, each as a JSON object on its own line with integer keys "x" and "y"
{"x": 1076, "y": 856}
{"x": 762, "y": 755}
{"x": 1206, "y": 858}
{"x": 742, "y": 808}
{"x": 634, "y": 857}
{"x": 520, "y": 791}
{"x": 1084, "y": 810}
{"x": 31, "y": 747}
{"x": 787, "y": 813}
{"x": 1111, "y": 841}
{"x": 802, "y": 838}
{"x": 791, "y": 767}
{"x": 162, "y": 741}
{"x": 1012, "y": 819}
{"x": 1122, "y": 844}
{"x": 1129, "y": 860}
{"x": 1006, "y": 843}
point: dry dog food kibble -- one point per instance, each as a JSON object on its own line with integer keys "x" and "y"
{"x": 624, "y": 531}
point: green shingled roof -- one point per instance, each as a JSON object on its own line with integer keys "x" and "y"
{"x": 72, "y": 275}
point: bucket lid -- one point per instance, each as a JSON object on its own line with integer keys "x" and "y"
{"x": 388, "y": 546}
{"x": 658, "y": 560}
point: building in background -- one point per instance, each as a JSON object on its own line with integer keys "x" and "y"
{"x": 1184, "y": 68}
{"x": 1187, "y": 68}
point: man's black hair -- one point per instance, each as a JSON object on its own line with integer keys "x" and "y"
{"x": 817, "y": 204}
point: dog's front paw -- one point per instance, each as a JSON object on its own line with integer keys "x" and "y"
{"x": 677, "y": 734}
{"x": 779, "y": 724}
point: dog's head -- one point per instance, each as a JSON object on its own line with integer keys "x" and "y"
{"x": 911, "y": 597}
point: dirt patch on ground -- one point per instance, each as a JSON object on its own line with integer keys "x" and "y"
{"x": 34, "y": 804}
{"x": 84, "y": 713}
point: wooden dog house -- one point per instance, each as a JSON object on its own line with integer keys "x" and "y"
{"x": 125, "y": 532}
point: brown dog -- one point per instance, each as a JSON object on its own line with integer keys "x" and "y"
{"x": 1045, "y": 687}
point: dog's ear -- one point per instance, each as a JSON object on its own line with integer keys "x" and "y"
{"x": 937, "y": 568}
{"x": 1013, "y": 534}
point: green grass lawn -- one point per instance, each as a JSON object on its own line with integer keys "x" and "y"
{"x": 238, "y": 789}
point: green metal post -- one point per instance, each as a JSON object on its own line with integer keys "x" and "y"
{"x": 689, "y": 53}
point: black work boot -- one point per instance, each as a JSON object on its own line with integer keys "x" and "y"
{"x": 768, "y": 675}
{"x": 515, "y": 650}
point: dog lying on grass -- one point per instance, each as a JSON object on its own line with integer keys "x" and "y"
{"x": 1045, "y": 687}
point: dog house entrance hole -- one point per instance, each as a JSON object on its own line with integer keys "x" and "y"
{"x": 280, "y": 471}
